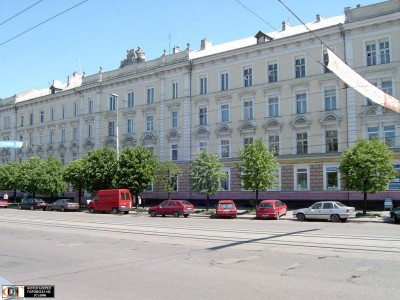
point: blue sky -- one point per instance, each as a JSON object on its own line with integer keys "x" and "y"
{"x": 98, "y": 32}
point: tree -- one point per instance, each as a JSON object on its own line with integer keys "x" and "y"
{"x": 258, "y": 167}
{"x": 136, "y": 170}
{"x": 33, "y": 175}
{"x": 53, "y": 181}
{"x": 167, "y": 176}
{"x": 100, "y": 169}
{"x": 9, "y": 177}
{"x": 74, "y": 174}
{"x": 206, "y": 174}
{"x": 367, "y": 167}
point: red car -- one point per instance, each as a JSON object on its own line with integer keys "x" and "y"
{"x": 226, "y": 208}
{"x": 271, "y": 209}
{"x": 175, "y": 208}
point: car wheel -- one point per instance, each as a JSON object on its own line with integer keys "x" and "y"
{"x": 175, "y": 214}
{"x": 49, "y": 208}
{"x": 32, "y": 208}
{"x": 126, "y": 212}
{"x": 186, "y": 215}
{"x": 114, "y": 210}
{"x": 343, "y": 220}
{"x": 335, "y": 218}
{"x": 300, "y": 217}
{"x": 153, "y": 213}
{"x": 395, "y": 218}
{"x": 91, "y": 210}
{"x": 162, "y": 215}
{"x": 62, "y": 208}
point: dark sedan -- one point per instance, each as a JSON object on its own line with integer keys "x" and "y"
{"x": 32, "y": 203}
{"x": 395, "y": 214}
{"x": 63, "y": 205}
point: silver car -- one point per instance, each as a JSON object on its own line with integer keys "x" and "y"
{"x": 325, "y": 210}
{"x": 63, "y": 205}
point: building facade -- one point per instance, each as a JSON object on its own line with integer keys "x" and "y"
{"x": 272, "y": 86}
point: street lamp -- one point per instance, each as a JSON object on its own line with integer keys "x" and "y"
{"x": 115, "y": 99}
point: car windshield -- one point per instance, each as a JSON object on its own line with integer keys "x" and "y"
{"x": 265, "y": 205}
{"x": 340, "y": 204}
{"x": 226, "y": 205}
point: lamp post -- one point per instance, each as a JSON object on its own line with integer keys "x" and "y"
{"x": 115, "y": 98}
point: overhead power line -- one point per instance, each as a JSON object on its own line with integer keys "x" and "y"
{"x": 20, "y": 12}
{"x": 18, "y": 35}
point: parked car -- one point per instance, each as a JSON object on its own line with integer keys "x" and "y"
{"x": 3, "y": 203}
{"x": 175, "y": 208}
{"x": 226, "y": 208}
{"x": 32, "y": 203}
{"x": 395, "y": 214}
{"x": 325, "y": 210}
{"x": 63, "y": 205}
{"x": 270, "y": 209}
{"x": 112, "y": 200}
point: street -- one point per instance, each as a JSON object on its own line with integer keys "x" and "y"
{"x": 134, "y": 256}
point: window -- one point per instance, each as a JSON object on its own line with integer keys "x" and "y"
{"x": 42, "y": 116}
{"x": 131, "y": 99}
{"x": 90, "y": 106}
{"x": 248, "y": 76}
{"x": 40, "y": 138}
{"x": 51, "y": 137}
{"x": 224, "y": 81}
{"x": 248, "y": 113}
{"x": 30, "y": 139}
{"x": 389, "y": 133}
{"x": 274, "y": 143}
{"x": 224, "y": 112}
{"x": 113, "y": 103}
{"x": 372, "y": 132}
{"x": 302, "y": 179}
{"x": 331, "y": 179}
{"x": 62, "y": 158}
{"x": 75, "y": 134}
{"x": 301, "y": 103}
{"x": 7, "y": 122}
{"x": 174, "y": 152}
{"x": 203, "y": 85}
{"x": 326, "y": 60}
{"x": 203, "y": 116}
{"x": 225, "y": 182}
{"x": 111, "y": 128}
{"x": 74, "y": 156}
{"x": 129, "y": 126}
{"x": 272, "y": 72}
{"x": 387, "y": 87}
{"x": 371, "y": 53}
{"x": 52, "y": 112}
{"x": 62, "y": 135}
{"x": 330, "y": 99}
{"x": 203, "y": 146}
{"x": 175, "y": 90}
{"x": 247, "y": 141}
{"x": 302, "y": 143}
{"x": 331, "y": 141}
{"x": 31, "y": 119}
{"x": 21, "y": 123}
{"x": 75, "y": 109}
{"x": 150, "y": 95}
{"x": 90, "y": 131}
{"x": 273, "y": 106}
{"x": 384, "y": 52}
{"x": 174, "y": 118}
{"x": 63, "y": 112}
{"x": 224, "y": 148}
{"x": 149, "y": 123}
{"x": 373, "y": 56}
{"x": 300, "y": 67}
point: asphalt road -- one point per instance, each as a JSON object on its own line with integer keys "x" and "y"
{"x": 134, "y": 256}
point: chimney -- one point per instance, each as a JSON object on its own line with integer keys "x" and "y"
{"x": 285, "y": 25}
{"x": 205, "y": 44}
{"x": 176, "y": 49}
{"x": 319, "y": 18}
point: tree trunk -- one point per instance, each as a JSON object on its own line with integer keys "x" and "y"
{"x": 208, "y": 202}
{"x": 80, "y": 196}
{"x": 256, "y": 202}
{"x": 169, "y": 195}
{"x": 15, "y": 195}
{"x": 365, "y": 204}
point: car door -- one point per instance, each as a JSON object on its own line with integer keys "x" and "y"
{"x": 170, "y": 207}
{"x": 161, "y": 210}
{"x": 327, "y": 210}
{"x": 314, "y": 211}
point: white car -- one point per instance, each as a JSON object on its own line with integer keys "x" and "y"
{"x": 325, "y": 210}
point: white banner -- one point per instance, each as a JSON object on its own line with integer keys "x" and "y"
{"x": 11, "y": 144}
{"x": 360, "y": 84}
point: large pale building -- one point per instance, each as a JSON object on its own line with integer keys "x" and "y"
{"x": 272, "y": 86}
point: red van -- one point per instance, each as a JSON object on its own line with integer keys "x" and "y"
{"x": 113, "y": 200}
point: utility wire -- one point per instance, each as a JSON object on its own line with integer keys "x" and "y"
{"x": 20, "y": 12}
{"x": 18, "y": 35}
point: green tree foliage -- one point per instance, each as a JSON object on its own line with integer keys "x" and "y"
{"x": 136, "y": 171}
{"x": 206, "y": 174}
{"x": 74, "y": 175}
{"x": 167, "y": 176}
{"x": 53, "y": 180}
{"x": 32, "y": 176}
{"x": 100, "y": 169}
{"x": 258, "y": 167}
{"x": 9, "y": 177}
{"x": 367, "y": 167}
